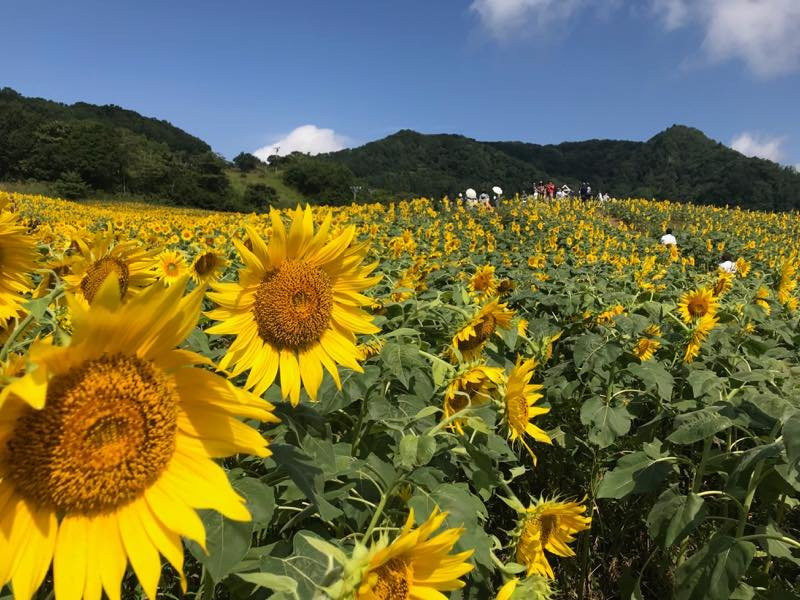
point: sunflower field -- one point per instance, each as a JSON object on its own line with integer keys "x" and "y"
{"x": 406, "y": 401}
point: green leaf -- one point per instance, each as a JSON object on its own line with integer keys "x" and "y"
{"x": 703, "y": 382}
{"x": 698, "y": 425}
{"x": 635, "y": 473}
{"x": 791, "y": 438}
{"x": 416, "y": 450}
{"x": 401, "y": 359}
{"x": 306, "y": 476}
{"x": 260, "y": 499}
{"x": 675, "y": 516}
{"x": 654, "y": 376}
{"x": 271, "y": 581}
{"x": 714, "y": 571}
{"x": 227, "y": 543}
{"x": 606, "y": 422}
{"x": 776, "y": 547}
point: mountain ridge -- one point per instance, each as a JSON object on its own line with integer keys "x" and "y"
{"x": 679, "y": 163}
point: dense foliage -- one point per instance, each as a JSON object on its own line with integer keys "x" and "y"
{"x": 679, "y": 163}
{"x": 110, "y": 149}
{"x": 525, "y": 364}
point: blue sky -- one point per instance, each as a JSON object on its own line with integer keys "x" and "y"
{"x": 244, "y": 75}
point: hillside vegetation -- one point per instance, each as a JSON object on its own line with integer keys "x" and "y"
{"x": 82, "y": 150}
{"x": 679, "y": 163}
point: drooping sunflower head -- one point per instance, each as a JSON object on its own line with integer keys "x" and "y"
{"x": 170, "y": 266}
{"x": 519, "y": 406}
{"x": 723, "y": 284}
{"x": 110, "y": 443}
{"x": 482, "y": 284}
{"x": 698, "y": 335}
{"x": 418, "y": 563}
{"x": 548, "y": 525}
{"x": 471, "y": 338}
{"x": 296, "y": 306}
{"x": 696, "y": 304}
{"x": 127, "y": 262}
{"x": 645, "y": 348}
{"x": 472, "y": 387}
{"x": 762, "y": 299}
{"x": 17, "y": 261}
{"x": 207, "y": 266}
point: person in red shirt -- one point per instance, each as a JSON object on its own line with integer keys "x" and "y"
{"x": 551, "y": 190}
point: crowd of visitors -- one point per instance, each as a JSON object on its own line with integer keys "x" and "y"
{"x": 541, "y": 191}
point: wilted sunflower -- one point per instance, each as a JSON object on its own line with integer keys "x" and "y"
{"x": 107, "y": 448}
{"x": 697, "y": 303}
{"x": 482, "y": 284}
{"x": 699, "y": 334}
{"x": 17, "y": 260}
{"x": 470, "y": 339}
{"x": 296, "y": 306}
{"x": 645, "y": 348}
{"x": 208, "y": 266}
{"x": 416, "y": 565}
{"x": 131, "y": 265}
{"x": 548, "y": 525}
{"x": 520, "y": 397}
{"x": 170, "y": 266}
{"x": 473, "y": 387}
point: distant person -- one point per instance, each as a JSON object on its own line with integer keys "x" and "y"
{"x": 585, "y": 191}
{"x": 551, "y": 190}
{"x": 727, "y": 264}
{"x": 668, "y": 239}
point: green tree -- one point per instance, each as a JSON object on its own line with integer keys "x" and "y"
{"x": 246, "y": 162}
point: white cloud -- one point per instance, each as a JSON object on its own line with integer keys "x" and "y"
{"x": 767, "y": 147}
{"x": 306, "y": 138}
{"x": 761, "y": 33}
{"x": 503, "y": 17}
{"x": 673, "y": 12}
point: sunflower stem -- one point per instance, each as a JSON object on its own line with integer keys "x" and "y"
{"x": 379, "y": 510}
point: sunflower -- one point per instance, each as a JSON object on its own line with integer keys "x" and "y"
{"x": 519, "y": 409}
{"x": 697, "y": 303}
{"x": 482, "y": 284}
{"x": 470, "y": 339}
{"x": 473, "y": 387}
{"x": 699, "y": 334}
{"x": 534, "y": 587}
{"x": 131, "y": 265}
{"x": 107, "y": 448}
{"x": 17, "y": 260}
{"x": 296, "y": 306}
{"x": 548, "y": 525}
{"x": 761, "y": 299}
{"x": 723, "y": 284}
{"x": 207, "y": 266}
{"x": 416, "y": 565}
{"x": 645, "y": 348}
{"x": 170, "y": 266}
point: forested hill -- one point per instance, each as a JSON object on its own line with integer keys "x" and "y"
{"x": 83, "y": 147}
{"x": 680, "y": 163}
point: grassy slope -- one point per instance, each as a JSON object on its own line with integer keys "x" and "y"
{"x": 267, "y": 176}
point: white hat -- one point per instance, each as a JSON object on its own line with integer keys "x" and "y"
{"x": 498, "y": 190}
{"x": 471, "y": 194}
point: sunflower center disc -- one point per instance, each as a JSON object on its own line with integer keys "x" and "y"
{"x": 517, "y": 409}
{"x": 293, "y": 305}
{"x": 105, "y": 434}
{"x": 96, "y": 274}
{"x": 394, "y": 580}
{"x": 483, "y": 331}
